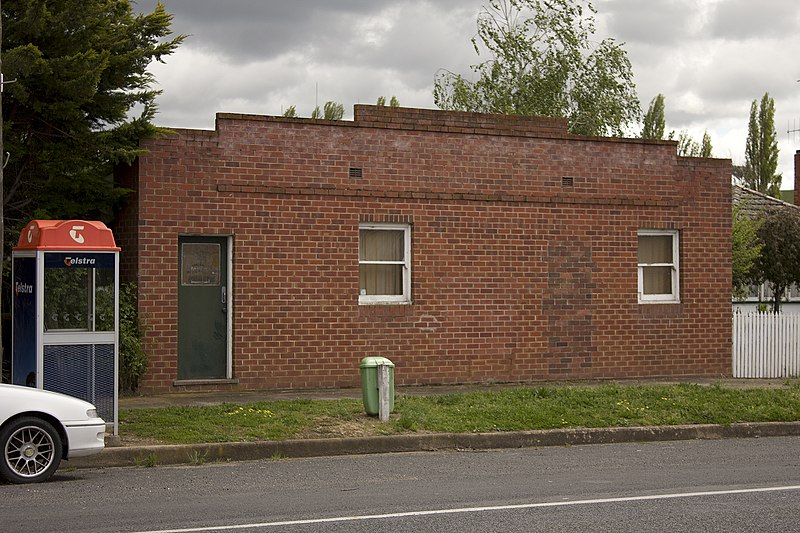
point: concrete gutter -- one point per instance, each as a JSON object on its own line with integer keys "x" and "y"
{"x": 248, "y": 451}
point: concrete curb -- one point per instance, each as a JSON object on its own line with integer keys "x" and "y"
{"x": 247, "y": 451}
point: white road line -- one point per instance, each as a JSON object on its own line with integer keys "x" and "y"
{"x": 476, "y": 509}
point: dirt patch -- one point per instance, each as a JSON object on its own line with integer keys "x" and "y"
{"x": 327, "y": 427}
{"x": 133, "y": 440}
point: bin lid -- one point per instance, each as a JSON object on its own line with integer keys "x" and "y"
{"x": 66, "y": 235}
{"x": 369, "y": 362}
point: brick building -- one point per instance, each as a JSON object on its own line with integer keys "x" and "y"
{"x": 276, "y": 252}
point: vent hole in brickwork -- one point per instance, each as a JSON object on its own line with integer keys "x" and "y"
{"x": 567, "y": 181}
{"x": 356, "y": 172}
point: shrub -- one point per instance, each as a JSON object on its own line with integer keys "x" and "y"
{"x": 132, "y": 358}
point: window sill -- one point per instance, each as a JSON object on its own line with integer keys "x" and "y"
{"x": 385, "y": 310}
{"x": 196, "y": 382}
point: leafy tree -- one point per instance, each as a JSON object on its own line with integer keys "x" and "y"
{"x": 543, "y": 63}
{"x": 688, "y": 147}
{"x": 394, "y": 102}
{"x": 654, "y": 122}
{"x": 333, "y": 111}
{"x": 654, "y": 126}
{"x": 738, "y": 172}
{"x": 705, "y": 147}
{"x": 779, "y": 262}
{"x": 746, "y": 249}
{"x": 761, "y": 150}
{"x": 330, "y": 111}
{"x": 291, "y": 112}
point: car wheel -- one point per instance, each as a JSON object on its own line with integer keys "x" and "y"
{"x": 32, "y": 450}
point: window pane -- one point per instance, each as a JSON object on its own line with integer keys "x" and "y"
{"x": 200, "y": 264}
{"x": 753, "y": 291}
{"x": 657, "y": 280}
{"x": 374, "y": 280}
{"x": 104, "y": 299}
{"x": 768, "y": 291}
{"x": 66, "y": 298}
{"x": 655, "y": 249}
{"x": 794, "y": 292}
{"x": 380, "y": 245}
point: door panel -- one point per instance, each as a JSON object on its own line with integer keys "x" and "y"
{"x": 202, "y": 307}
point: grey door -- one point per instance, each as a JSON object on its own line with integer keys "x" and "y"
{"x": 202, "y": 307}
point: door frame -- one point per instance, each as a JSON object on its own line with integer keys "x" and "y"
{"x": 230, "y": 301}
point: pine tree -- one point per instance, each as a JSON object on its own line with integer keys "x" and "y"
{"x": 80, "y": 103}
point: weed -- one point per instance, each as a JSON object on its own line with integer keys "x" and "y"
{"x": 196, "y": 458}
{"x": 148, "y": 461}
{"x": 405, "y": 424}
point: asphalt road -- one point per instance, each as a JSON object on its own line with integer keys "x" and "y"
{"x": 723, "y": 485}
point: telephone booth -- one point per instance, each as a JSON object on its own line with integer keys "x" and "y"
{"x": 65, "y": 311}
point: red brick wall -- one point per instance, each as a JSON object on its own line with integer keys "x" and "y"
{"x": 797, "y": 177}
{"x": 516, "y": 273}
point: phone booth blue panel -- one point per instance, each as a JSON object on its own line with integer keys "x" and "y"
{"x": 65, "y": 321}
{"x": 24, "y": 322}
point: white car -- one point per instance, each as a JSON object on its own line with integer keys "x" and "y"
{"x": 38, "y": 428}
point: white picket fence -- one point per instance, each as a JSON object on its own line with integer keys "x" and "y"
{"x": 766, "y": 345}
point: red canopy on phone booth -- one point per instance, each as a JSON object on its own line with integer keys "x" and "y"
{"x": 66, "y": 235}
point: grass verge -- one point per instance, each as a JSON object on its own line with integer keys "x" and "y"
{"x": 516, "y": 409}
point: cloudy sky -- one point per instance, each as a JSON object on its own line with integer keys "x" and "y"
{"x": 710, "y": 58}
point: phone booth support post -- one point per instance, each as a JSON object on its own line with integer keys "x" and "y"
{"x": 65, "y": 312}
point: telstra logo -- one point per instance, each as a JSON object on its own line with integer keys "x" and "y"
{"x": 79, "y": 261}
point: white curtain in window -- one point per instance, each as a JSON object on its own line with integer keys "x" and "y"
{"x": 655, "y": 249}
{"x": 657, "y": 280}
{"x": 386, "y": 248}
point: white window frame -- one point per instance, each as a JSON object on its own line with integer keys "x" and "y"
{"x": 673, "y": 297}
{"x": 405, "y": 298}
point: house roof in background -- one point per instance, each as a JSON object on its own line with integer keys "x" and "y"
{"x": 755, "y": 203}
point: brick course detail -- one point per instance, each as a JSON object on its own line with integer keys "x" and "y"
{"x": 524, "y": 248}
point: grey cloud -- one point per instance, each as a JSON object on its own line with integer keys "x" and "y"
{"x": 246, "y": 30}
{"x": 742, "y": 19}
{"x": 650, "y": 23}
{"x": 251, "y": 30}
{"x": 420, "y": 42}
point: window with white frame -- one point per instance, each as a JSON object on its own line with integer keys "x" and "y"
{"x": 658, "y": 266}
{"x": 384, "y": 263}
